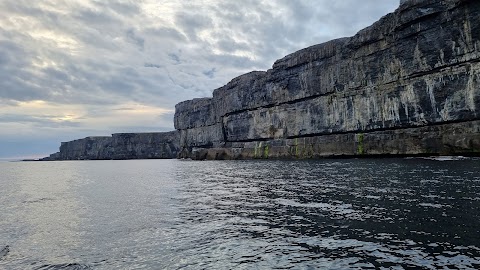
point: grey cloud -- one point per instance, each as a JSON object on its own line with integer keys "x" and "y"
{"x": 57, "y": 75}
{"x": 228, "y": 45}
{"x": 118, "y": 83}
{"x": 257, "y": 30}
{"x": 14, "y": 77}
{"x": 20, "y": 80}
{"x": 175, "y": 58}
{"x": 210, "y": 73}
{"x": 150, "y": 65}
{"x": 11, "y": 51}
{"x": 17, "y": 89}
{"x": 240, "y": 62}
{"x": 191, "y": 23}
{"x": 166, "y": 117}
{"x": 9, "y": 102}
{"x": 135, "y": 39}
{"x": 121, "y": 8}
{"x": 4, "y": 58}
{"x": 271, "y": 35}
{"x": 25, "y": 7}
{"x": 300, "y": 11}
{"x": 166, "y": 33}
{"x": 97, "y": 77}
{"x": 95, "y": 17}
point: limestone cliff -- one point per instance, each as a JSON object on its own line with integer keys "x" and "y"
{"x": 409, "y": 84}
{"x": 120, "y": 146}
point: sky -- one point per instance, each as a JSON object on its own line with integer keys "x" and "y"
{"x": 76, "y": 68}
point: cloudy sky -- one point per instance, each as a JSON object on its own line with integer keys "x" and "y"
{"x": 74, "y": 68}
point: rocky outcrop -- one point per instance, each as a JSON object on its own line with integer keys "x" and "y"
{"x": 160, "y": 145}
{"x": 407, "y": 85}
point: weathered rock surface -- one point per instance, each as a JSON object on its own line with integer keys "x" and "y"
{"x": 409, "y": 84}
{"x": 160, "y": 145}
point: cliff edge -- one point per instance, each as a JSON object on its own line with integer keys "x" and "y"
{"x": 407, "y": 85}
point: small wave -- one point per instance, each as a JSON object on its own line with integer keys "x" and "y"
{"x": 339, "y": 209}
{"x": 433, "y": 205}
{"x": 293, "y": 203}
{"x": 446, "y": 158}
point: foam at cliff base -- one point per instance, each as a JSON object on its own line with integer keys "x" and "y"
{"x": 446, "y": 158}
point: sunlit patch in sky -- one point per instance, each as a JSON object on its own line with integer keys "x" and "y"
{"x": 61, "y": 41}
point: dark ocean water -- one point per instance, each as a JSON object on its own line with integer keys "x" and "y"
{"x": 172, "y": 214}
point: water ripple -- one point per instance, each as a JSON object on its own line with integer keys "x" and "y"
{"x": 326, "y": 214}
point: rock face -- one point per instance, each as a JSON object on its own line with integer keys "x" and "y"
{"x": 121, "y": 146}
{"x": 407, "y": 85}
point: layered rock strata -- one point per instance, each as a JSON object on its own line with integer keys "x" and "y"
{"x": 407, "y": 85}
{"x": 161, "y": 145}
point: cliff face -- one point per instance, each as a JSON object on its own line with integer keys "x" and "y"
{"x": 121, "y": 146}
{"x": 408, "y": 84}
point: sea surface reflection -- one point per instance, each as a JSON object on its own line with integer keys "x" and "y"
{"x": 174, "y": 214}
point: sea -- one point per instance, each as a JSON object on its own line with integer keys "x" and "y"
{"x": 405, "y": 213}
